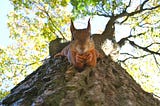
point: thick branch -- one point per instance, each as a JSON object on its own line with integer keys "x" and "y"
{"x": 109, "y": 29}
{"x": 125, "y": 13}
{"x": 108, "y": 33}
{"x": 139, "y": 9}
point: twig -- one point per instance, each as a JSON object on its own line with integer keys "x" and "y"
{"x": 132, "y": 56}
{"x": 156, "y": 62}
{"x": 49, "y": 17}
{"x": 142, "y": 5}
{"x": 125, "y": 13}
{"x": 124, "y": 20}
{"x": 128, "y": 5}
{"x": 125, "y": 10}
{"x": 53, "y": 24}
{"x": 122, "y": 41}
{"x": 143, "y": 48}
{"x": 152, "y": 44}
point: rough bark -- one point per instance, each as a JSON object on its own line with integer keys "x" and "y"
{"x": 57, "y": 83}
{"x": 56, "y": 46}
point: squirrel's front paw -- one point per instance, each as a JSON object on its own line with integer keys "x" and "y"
{"x": 79, "y": 59}
{"x": 89, "y": 58}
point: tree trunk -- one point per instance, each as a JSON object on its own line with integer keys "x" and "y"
{"x": 57, "y": 83}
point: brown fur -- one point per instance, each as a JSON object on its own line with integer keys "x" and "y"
{"x": 81, "y": 50}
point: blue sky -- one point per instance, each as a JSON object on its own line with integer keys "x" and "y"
{"x": 5, "y": 7}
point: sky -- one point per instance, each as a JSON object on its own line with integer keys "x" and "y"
{"x": 97, "y": 25}
{"x": 5, "y": 7}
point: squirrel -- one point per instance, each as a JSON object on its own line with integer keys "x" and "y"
{"x": 81, "y": 51}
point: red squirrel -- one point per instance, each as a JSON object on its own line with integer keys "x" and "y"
{"x": 81, "y": 51}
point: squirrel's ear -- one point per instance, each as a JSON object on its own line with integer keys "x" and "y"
{"x": 89, "y": 26}
{"x": 72, "y": 28}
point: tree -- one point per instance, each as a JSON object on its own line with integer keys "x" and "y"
{"x": 57, "y": 83}
{"x": 142, "y": 18}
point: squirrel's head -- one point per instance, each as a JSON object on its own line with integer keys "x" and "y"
{"x": 81, "y": 38}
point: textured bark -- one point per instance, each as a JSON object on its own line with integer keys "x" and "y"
{"x": 57, "y": 83}
{"x": 55, "y": 46}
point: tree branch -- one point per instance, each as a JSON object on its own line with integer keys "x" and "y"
{"x": 135, "y": 12}
{"x": 132, "y": 57}
{"x": 100, "y": 9}
{"x": 152, "y": 44}
{"x": 54, "y": 25}
{"x": 50, "y": 19}
{"x": 109, "y": 29}
{"x": 143, "y": 48}
{"x": 122, "y": 41}
{"x": 139, "y": 9}
{"x": 125, "y": 13}
{"x": 157, "y": 63}
{"x": 128, "y": 5}
{"x": 104, "y": 15}
{"x": 142, "y": 5}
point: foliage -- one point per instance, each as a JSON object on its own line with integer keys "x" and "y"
{"x": 33, "y": 24}
{"x": 142, "y": 17}
{"x": 143, "y": 65}
{"x": 3, "y": 94}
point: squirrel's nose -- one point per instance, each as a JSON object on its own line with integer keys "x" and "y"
{"x": 81, "y": 50}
